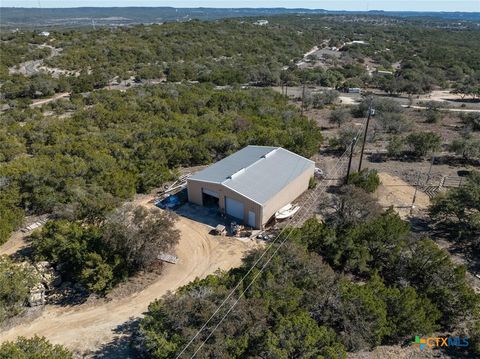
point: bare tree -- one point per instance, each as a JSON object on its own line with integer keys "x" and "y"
{"x": 139, "y": 235}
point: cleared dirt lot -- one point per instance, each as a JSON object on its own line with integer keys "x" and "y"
{"x": 395, "y": 192}
{"x": 88, "y": 326}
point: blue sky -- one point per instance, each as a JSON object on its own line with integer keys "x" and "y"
{"x": 392, "y": 5}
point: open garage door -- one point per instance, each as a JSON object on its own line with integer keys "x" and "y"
{"x": 209, "y": 192}
{"x": 234, "y": 208}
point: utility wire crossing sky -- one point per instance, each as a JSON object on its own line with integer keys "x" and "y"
{"x": 359, "y": 5}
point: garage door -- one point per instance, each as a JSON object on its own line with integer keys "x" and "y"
{"x": 251, "y": 219}
{"x": 234, "y": 208}
{"x": 210, "y": 193}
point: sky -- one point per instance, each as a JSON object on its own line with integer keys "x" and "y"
{"x": 362, "y": 5}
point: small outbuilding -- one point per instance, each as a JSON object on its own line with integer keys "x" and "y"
{"x": 252, "y": 184}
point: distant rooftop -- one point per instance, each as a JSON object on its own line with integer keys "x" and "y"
{"x": 256, "y": 172}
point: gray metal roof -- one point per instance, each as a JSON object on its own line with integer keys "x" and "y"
{"x": 256, "y": 172}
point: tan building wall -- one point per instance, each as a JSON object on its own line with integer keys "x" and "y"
{"x": 194, "y": 189}
{"x": 262, "y": 213}
{"x": 288, "y": 194}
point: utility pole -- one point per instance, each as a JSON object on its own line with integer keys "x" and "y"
{"x": 350, "y": 159}
{"x": 415, "y": 193}
{"x": 365, "y": 135}
{"x": 303, "y": 97}
{"x": 430, "y": 170}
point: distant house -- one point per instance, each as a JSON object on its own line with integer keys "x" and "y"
{"x": 261, "y": 22}
{"x": 382, "y": 73}
{"x": 354, "y": 90}
{"x": 252, "y": 184}
{"x": 44, "y": 33}
{"x": 359, "y": 42}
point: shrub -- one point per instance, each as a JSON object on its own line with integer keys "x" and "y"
{"x": 472, "y": 120}
{"x": 468, "y": 148}
{"x": 380, "y": 105}
{"x": 339, "y": 116}
{"x": 366, "y": 179}
{"x": 433, "y": 116}
{"x": 33, "y": 348}
{"x": 344, "y": 139}
{"x": 423, "y": 143}
{"x": 396, "y": 146}
{"x": 324, "y": 98}
{"x": 393, "y": 122}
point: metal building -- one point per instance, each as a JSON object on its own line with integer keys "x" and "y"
{"x": 252, "y": 184}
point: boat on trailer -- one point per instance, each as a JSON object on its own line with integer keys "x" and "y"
{"x": 286, "y": 211}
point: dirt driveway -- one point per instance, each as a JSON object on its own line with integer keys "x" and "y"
{"x": 87, "y": 327}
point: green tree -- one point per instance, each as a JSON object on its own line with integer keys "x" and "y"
{"x": 33, "y": 348}
{"x": 471, "y": 120}
{"x": 339, "y": 117}
{"x": 96, "y": 274}
{"x": 299, "y": 336}
{"x": 423, "y": 143}
{"x": 458, "y": 211}
{"x": 468, "y": 148}
{"x": 396, "y": 146}
{"x": 361, "y": 308}
{"x": 11, "y": 216}
{"x": 366, "y": 179}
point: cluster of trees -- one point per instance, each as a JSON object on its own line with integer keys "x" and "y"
{"x": 100, "y": 255}
{"x": 416, "y": 144}
{"x": 227, "y": 52}
{"x": 20, "y": 47}
{"x": 300, "y": 307}
{"x": 471, "y": 120}
{"x": 321, "y": 99}
{"x": 389, "y": 114}
{"x": 469, "y": 86}
{"x": 458, "y": 212}
{"x": 115, "y": 144}
{"x": 35, "y": 86}
{"x": 36, "y": 347}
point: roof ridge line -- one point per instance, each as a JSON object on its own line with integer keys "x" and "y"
{"x": 229, "y": 178}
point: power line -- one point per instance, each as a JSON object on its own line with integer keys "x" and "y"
{"x": 261, "y": 269}
{"x": 254, "y": 265}
{"x": 240, "y": 282}
{"x": 370, "y": 112}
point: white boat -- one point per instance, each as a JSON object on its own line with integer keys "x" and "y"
{"x": 286, "y": 211}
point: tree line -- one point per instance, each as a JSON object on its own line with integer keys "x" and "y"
{"x": 83, "y": 164}
{"x": 235, "y": 51}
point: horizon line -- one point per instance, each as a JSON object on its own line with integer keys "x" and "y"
{"x": 238, "y": 8}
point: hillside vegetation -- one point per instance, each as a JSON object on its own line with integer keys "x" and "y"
{"x": 117, "y": 144}
{"x": 236, "y": 51}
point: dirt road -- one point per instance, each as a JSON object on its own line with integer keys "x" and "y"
{"x": 86, "y": 327}
{"x": 50, "y": 99}
{"x": 15, "y": 243}
{"x": 443, "y": 109}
